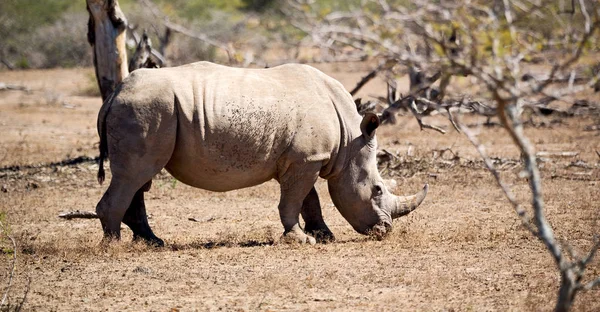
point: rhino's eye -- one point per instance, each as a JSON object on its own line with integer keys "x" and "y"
{"x": 377, "y": 190}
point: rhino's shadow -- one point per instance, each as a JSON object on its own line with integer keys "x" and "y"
{"x": 220, "y": 244}
{"x": 213, "y": 244}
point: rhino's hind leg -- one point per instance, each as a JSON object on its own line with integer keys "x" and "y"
{"x": 112, "y": 207}
{"x": 313, "y": 218}
{"x": 140, "y": 139}
{"x": 137, "y": 220}
{"x": 123, "y": 201}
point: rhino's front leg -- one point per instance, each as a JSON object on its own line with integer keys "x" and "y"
{"x": 296, "y": 183}
{"x": 313, "y": 218}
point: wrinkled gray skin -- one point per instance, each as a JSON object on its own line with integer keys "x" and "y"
{"x": 220, "y": 129}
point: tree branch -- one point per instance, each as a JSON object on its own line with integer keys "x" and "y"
{"x": 187, "y": 32}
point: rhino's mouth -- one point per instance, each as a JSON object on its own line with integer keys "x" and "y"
{"x": 380, "y": 230}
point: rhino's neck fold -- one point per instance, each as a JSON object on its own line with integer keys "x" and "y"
{"x": 341, "y": 154}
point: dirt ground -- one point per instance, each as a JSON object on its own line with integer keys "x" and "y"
{"x": 463, "y": 249}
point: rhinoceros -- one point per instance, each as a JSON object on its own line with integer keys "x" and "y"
{"x": 221, "y": 128}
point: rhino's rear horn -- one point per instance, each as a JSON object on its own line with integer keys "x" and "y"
{"x": 406, "y": 204}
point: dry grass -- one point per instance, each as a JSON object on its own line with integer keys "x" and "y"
{"x": 463, "y": 249}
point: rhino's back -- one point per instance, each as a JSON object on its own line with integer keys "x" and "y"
{"x": 238, "y": 127}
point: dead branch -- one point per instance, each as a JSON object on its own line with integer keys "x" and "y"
{"x": 365, "y": 107}
{"x": 198, "y": 220}
{"x": 156, "y": 58}
{"x": 77, "y": 214}
{"x": 382, "y": 66}
{"x": 415, "y": 112}
{"x": 188, "y": 32}
{"x": 452, "y": 120}
{"x": 557, "y": 154}
{"x": 142, "y": 57}
{"x": 570, "y": 274}
{"x": 591, "y": 284}
{"x": 364, "y": 80}
{"x": 525, "y": 220}
{"x": 579, "y": 164}
{"x": 408, "y": 102}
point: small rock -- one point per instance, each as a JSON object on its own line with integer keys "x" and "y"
{"x": 4, "y": 188}
{"x": 32, "y": 185}
{"x": 143, "y": 270}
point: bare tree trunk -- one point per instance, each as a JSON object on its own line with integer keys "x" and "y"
{"x": 106, "y": 34}
{"x": 567, "y": 291}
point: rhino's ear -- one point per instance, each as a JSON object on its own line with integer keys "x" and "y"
{"x": 368, "y": 125}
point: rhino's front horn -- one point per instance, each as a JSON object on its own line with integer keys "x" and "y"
{"x": 406, "y": 204}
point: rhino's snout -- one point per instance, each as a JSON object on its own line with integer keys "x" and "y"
{"x": 402, "y": 205}
{"x": 380, "y": 230}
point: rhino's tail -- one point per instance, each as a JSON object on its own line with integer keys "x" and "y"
{"x": 102, "y": 133}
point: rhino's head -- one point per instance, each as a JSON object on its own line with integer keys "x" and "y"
{"x": 359, "y": 192}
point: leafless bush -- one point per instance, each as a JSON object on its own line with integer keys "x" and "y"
{"x": 504, "y": 47}
{"x": 5, "y": 304}
{"x": 61, "y": 44}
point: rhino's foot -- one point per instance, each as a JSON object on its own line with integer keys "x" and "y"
{"x": 322, "y": 236}
{"x": 296, "y": 237}
{"x": 109, "y": 238}
{"x": 150, "y": 241}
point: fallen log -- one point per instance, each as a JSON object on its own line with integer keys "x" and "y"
{"x": 7, "y": 86}
{"x": 556, "y": 154}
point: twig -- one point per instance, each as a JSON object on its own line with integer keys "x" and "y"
{"x": 511, "y": 123}
{"x": 193, "y": 219}
{"x": 78, "y": 215}
{"x": 364, "y": 80}
{"x": 591, "y": 284}
{"x": 371, "y": 75}
{"x": 27, "y": 288}
{"x": 592, "y": 252}
{"x": 507, "y": 192}
{"x": 13, "y": 264}
{"x": 415, "y": 113}
{"x": 585, "y": 261}
{"x": 432, "y": 127}
{"x": 451, "y": 118}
